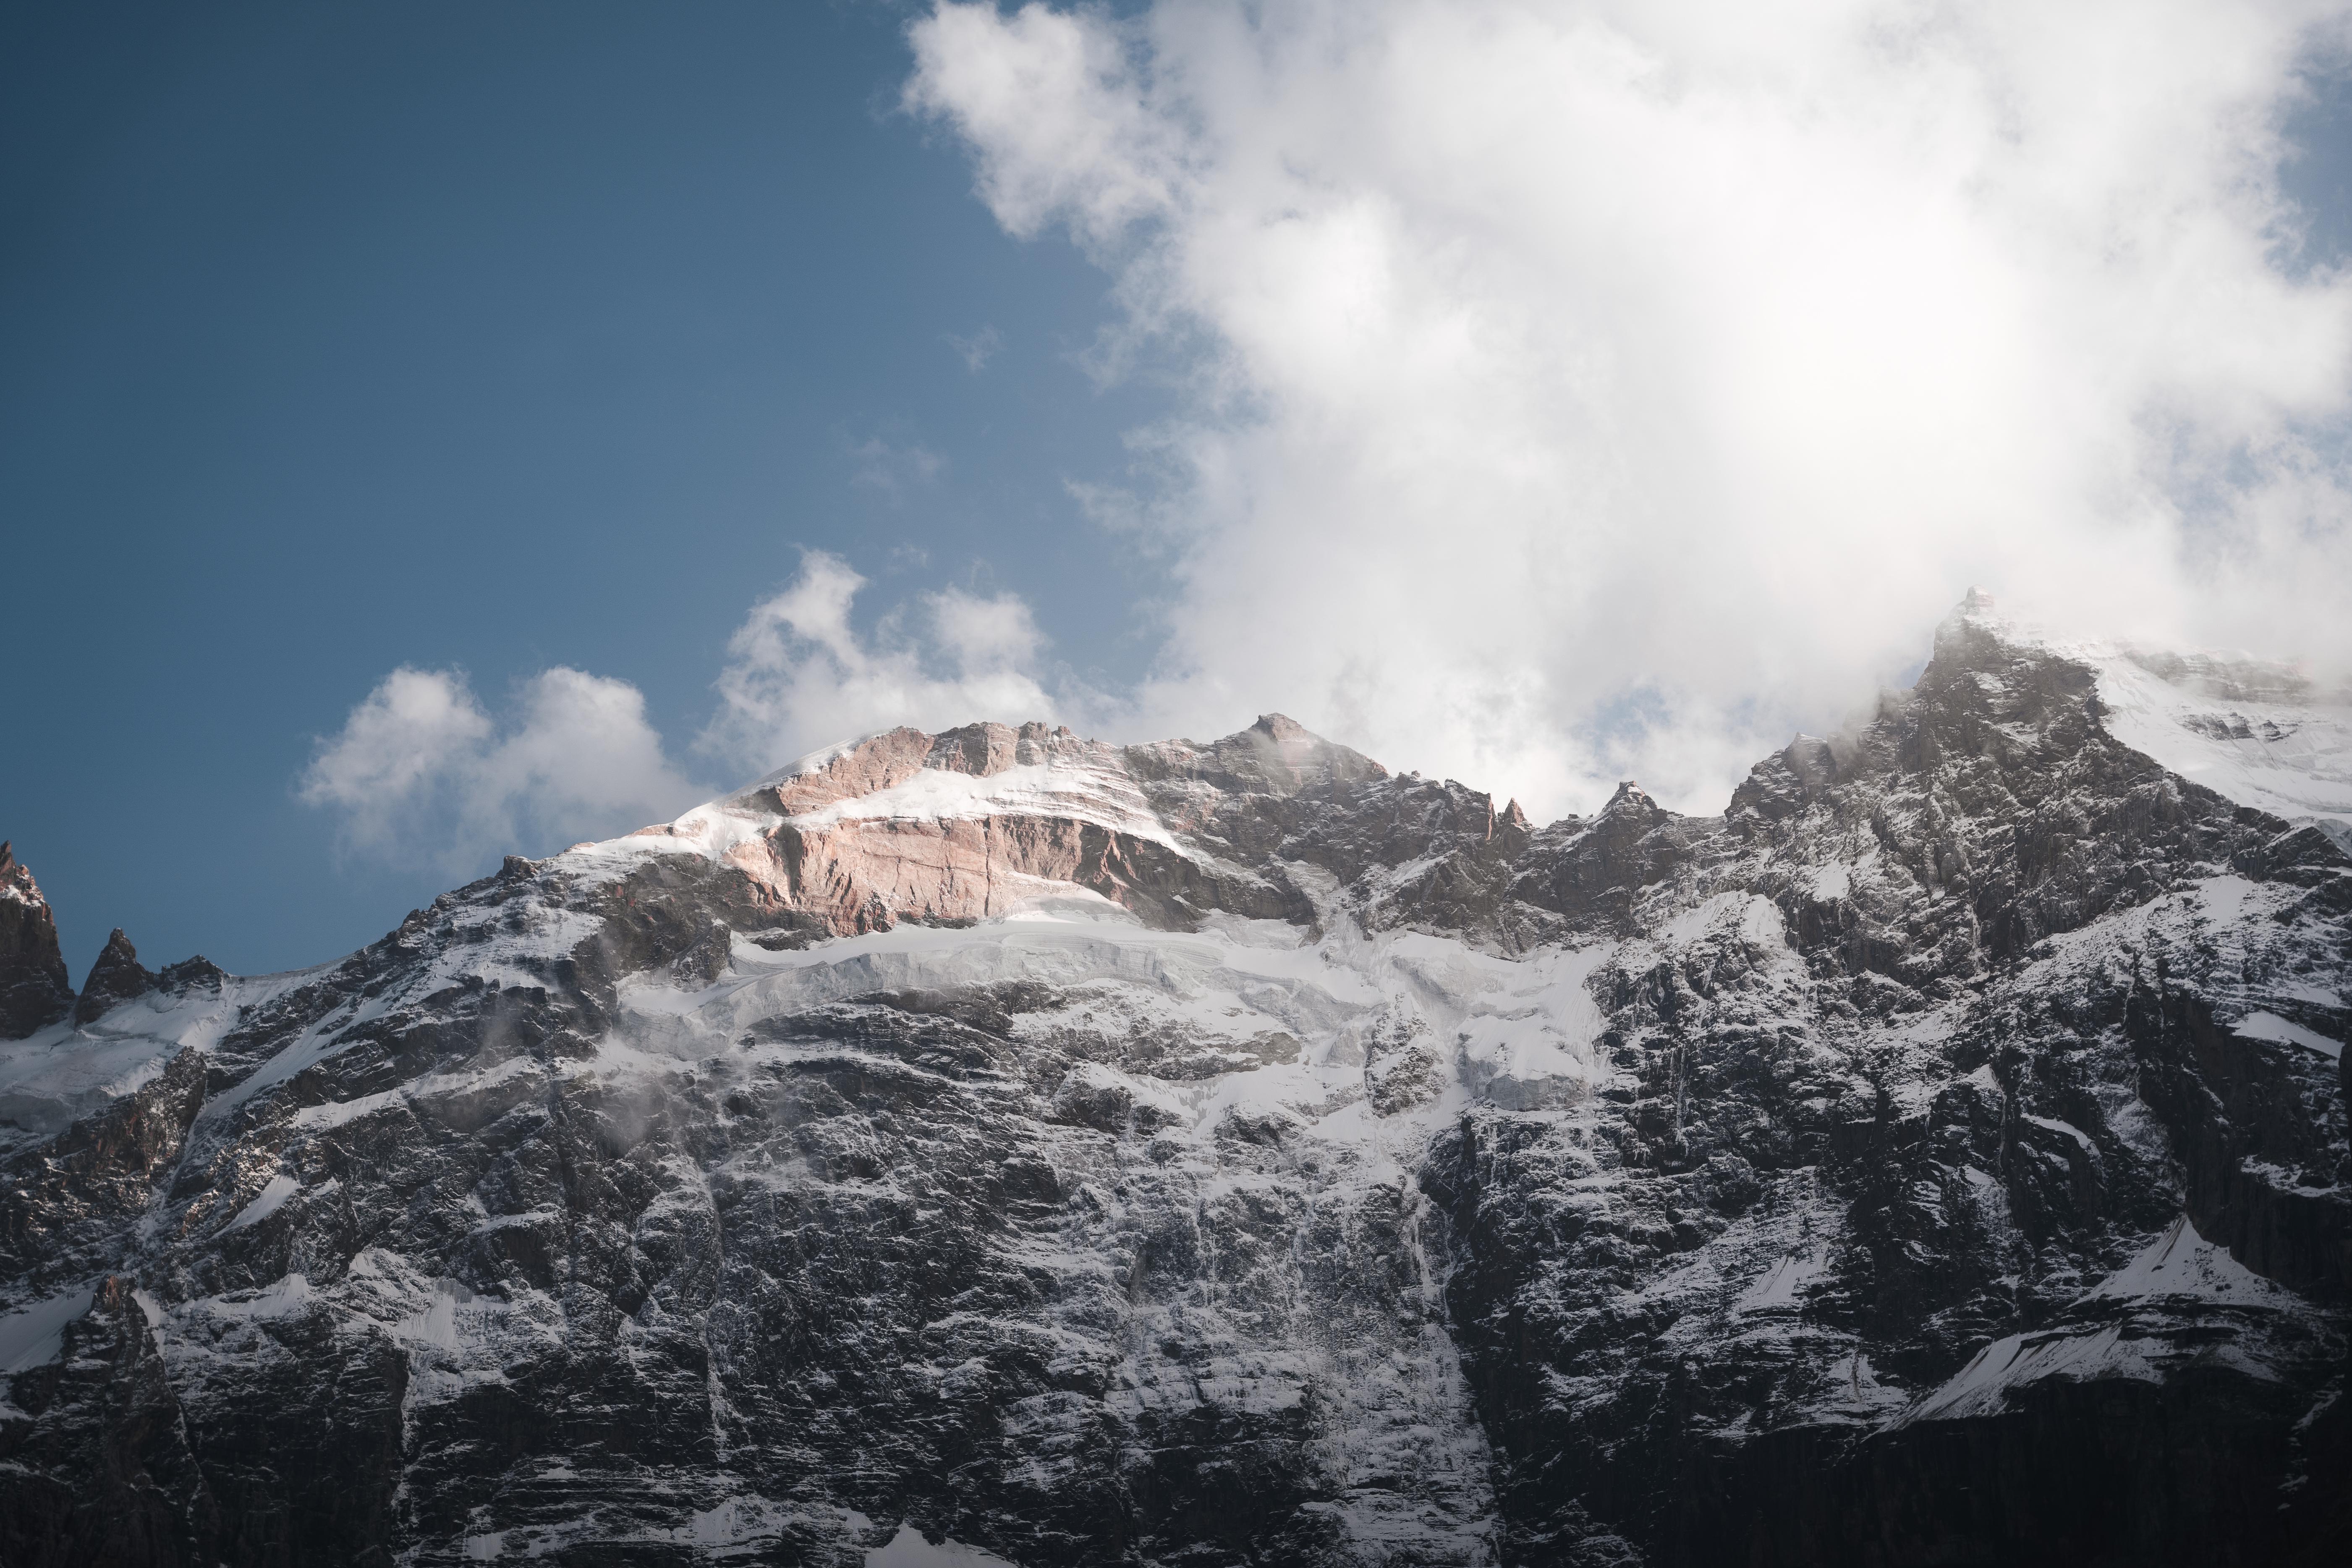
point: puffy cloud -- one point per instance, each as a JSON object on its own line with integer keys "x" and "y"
{"x": 1602, "y": 386}
{"x": 421, "y": 773}
{"x": 799, "y": 675}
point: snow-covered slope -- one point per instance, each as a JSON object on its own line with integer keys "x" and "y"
{"x": 2256, "y": 733}
{"x": 1231, "y": 1154}
{"x": 2261, "y": 745}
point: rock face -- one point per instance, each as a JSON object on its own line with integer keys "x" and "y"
{"x": 114, "y": 978}
{"x": 34, "y": 990}
{"x": 1234, "y": 1153}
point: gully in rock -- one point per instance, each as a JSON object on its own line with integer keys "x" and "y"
{"x": 1233, "y": 1153}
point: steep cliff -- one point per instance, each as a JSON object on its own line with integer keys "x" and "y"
{"x": 34, "y": 990}
{"x": 1236, "y": 1154}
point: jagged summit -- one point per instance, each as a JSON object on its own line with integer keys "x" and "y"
{"x": 1630, "y": 796}
{"x": 116, "y": 977}
{"x": 36, "y": 1000}
{"x": 1231, "y": 1154}
{"x": 34, "y": 988}
{"x": 988, "y": 819}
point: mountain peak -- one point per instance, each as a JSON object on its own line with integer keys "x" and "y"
{"x": 1282, "y": 727}
{"x": 35, "y": 990}
{"x": 115, "y": 978}
{"x": 1629, "y": 796}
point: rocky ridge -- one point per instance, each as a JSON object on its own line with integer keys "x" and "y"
{"x": 1232, "y": 1152}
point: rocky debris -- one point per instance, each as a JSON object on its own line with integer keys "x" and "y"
{"x": 1233, "y": 1153}
{"x": 33, "y": 989}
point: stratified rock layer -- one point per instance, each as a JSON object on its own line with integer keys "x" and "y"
{"x": 1233, "y": 1153}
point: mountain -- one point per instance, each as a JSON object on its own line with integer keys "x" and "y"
{"x": 1001, "y": 1143}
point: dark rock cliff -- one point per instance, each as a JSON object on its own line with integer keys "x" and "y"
{"x": 33, "y": 989}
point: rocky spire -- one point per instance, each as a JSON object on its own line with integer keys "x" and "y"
{"x": 116, "y": 977}
{"x": 33, "y": 989}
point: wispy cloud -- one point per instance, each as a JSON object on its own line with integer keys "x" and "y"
{"x": 894, "y": 471}
{"x": 978, "y": 349}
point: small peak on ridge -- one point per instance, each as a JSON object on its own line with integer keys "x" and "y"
{"x": 115, "y": 978}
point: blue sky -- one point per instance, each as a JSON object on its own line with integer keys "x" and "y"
{"x": 489, "y": 340}
{"x": 333, "y": 338}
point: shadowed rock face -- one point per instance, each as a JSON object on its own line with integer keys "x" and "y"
{"x": 34, "y": 990}
{"x": 116, "y": 977}
{"x": 1233, "y": 1153}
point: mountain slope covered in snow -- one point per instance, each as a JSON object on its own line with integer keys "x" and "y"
{"x": 1232, "y": 1152}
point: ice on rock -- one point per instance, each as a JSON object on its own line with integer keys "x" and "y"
{"x": 34, "y": 1333}
{"x": 2262, "y": 1026}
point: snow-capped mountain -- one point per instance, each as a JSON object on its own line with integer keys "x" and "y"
{"x": 1234, "y": 1153}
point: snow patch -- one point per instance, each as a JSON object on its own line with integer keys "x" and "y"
{"x": 1784, "y": 1286}
{"x": 1982, "y": 1387}
{"x": 2290, "y": 758}
{"x": 32, "y": 1336}
{"x": 2282, "y": 1031}
{"x": 268, "y": 1201}
{"x": 908, "y": 1549}
{"x": 2182, "y": 1263}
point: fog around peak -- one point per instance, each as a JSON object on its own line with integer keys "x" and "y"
{"x": 1587, "y": 390}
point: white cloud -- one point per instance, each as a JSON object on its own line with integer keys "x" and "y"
{"x": 1582, "y": 389}
{"x": 421, "y": 773}
{"x": 894, "y": 470}
{"x": 978, "y": 349}
{"x": 799, "y": 675}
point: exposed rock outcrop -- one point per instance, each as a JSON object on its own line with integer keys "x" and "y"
{"x": 35, "y": 991}
{"x": 116, "y": 977}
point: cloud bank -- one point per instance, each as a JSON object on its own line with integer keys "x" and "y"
{"x": 1574, "y": 391}
{"x": 1593, "y": 388}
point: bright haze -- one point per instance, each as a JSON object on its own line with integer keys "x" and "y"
{"x": 1538, "y": 395}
